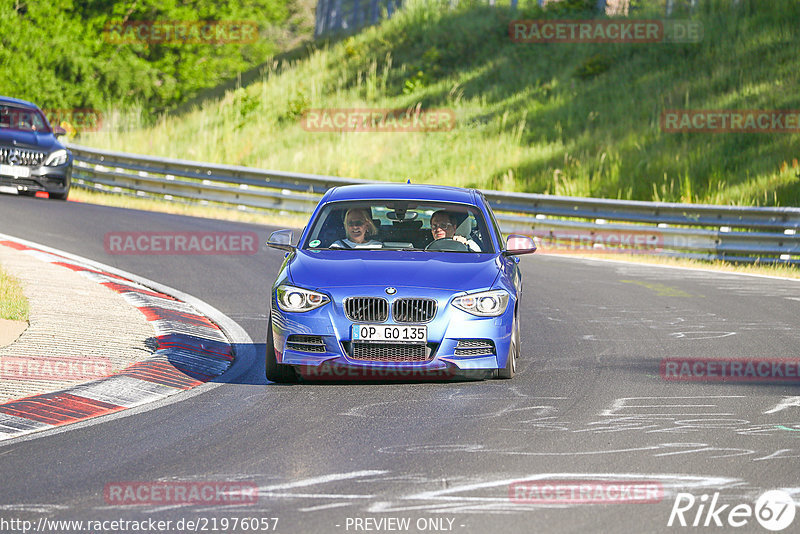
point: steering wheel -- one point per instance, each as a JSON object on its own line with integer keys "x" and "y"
{"x": 448, "y": 243}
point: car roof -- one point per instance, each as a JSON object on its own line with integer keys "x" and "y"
{"x": 17, "y": 102}
{"x": 395, "y": 191}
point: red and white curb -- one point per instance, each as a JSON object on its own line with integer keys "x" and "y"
{"x": 191, "y": 350}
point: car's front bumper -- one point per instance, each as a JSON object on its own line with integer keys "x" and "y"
{"x": 52, "y": 180}
{"x": 332, "y": 358}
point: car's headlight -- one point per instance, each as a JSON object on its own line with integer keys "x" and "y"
{"x": 59, "y": 157}
{"x": 297, "y": 299}
{"x": 484, "y": 304}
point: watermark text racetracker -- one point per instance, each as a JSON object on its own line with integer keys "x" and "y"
{"x": 337, "y": 372}
{"x": 178, "y": 493}
{"x": 585, "y": 491}
{"x": 79, "y": 119}
{"x": 605, "y": 31}
{"x": 737, "y": 369}
{"x": 181, "y": 32}
{"x": 730, "y": 121}
{"x": 188, "y": 243}
{"x": 378, "y": 120}
{"x": 554, "y": 241}
{"x": 54, "y": 368}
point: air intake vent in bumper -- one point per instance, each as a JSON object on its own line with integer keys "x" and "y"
{"x": 390, "y": 352}
{"x": 305, "y": 343}
{"x": 474, "y": 347}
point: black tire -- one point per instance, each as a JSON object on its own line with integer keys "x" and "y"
{"x": 59, "y": 196}
{"x": 276, "y": 372}
{"x": 513, "y": 353}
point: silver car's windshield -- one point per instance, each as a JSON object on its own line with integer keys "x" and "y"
{"x": 400, "y": 225}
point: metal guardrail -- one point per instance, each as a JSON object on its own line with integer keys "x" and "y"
{"x": 561, "y": 223}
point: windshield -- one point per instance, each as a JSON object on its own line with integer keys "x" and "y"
{"x": 400, "y": 225}
{"x": 25, "y": 119}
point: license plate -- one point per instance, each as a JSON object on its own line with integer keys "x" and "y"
{"x": 388, "y": 332}
{"x": 8, "y": 189}
{"x": 15, "y": 171}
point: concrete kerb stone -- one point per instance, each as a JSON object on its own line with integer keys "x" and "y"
{"x": 152, "y": 344}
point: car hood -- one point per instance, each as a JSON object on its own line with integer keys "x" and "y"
{"x": 453, "y": 271}
{"x": 45, "y": 142}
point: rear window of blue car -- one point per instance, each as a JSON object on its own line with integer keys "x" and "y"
{"x": 399, "y": 225}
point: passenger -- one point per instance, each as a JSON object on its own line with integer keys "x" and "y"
{"x": 443, "y": 226}
{"x": 360, "y": 229}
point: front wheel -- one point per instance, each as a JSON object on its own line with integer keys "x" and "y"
{"x": 513, "y": 353}
{"x": 276, "y": 372}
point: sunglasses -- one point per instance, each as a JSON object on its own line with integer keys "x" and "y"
{"x": 435, "y": 226}
{"x": 356, "y": 223}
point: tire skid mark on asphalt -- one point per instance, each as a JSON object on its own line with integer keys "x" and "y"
{"x": 475, "y": 494}
{"x": 676, "y": 323}
{"x": 190, "y": 350}
{"x": 381, "y": 410}
{"x": 657, "y": 415}
{"x": 493, "y": 495}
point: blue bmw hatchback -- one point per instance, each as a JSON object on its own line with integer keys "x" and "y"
{"x": 396, "y": 281}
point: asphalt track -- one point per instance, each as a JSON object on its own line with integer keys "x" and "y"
{"x": 588, "y": 403}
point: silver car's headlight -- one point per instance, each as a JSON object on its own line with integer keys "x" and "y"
{"x": 297, "y": 299}
{"x": 59, "y": 157}
{"x": 484, "y": 304}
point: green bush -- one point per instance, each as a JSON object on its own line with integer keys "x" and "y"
{"x": 57, "y": 55}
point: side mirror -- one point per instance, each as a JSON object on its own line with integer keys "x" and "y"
{"x": 519, "y": 244}
{"x": 281, "y": 239}
{"x": 59, "y": 131}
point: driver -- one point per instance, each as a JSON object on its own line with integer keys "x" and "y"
{"x": 443, "y": 226}
{"x": 359, "y": 228}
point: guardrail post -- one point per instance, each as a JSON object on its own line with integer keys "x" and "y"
{"x": 320, "y": 17}
{"x": 374, "y": 11}
{"x": 337, "y": 15}
{"x": 356, "y": 15}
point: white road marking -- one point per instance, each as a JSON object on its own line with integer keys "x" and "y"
{"x": 786, "y": 402}
{"x": 622, "y": 404}
{"x": 320, "y": 480}
{"x": 325, "y": 506}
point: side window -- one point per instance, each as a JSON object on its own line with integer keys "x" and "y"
{"x": 328, "y": 229}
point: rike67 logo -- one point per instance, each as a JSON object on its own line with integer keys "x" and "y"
{"x": 774, "y": 510}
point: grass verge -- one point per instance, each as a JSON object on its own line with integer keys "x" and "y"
{"x": 579, "y": 119}
{"x": 13, "y": 304}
